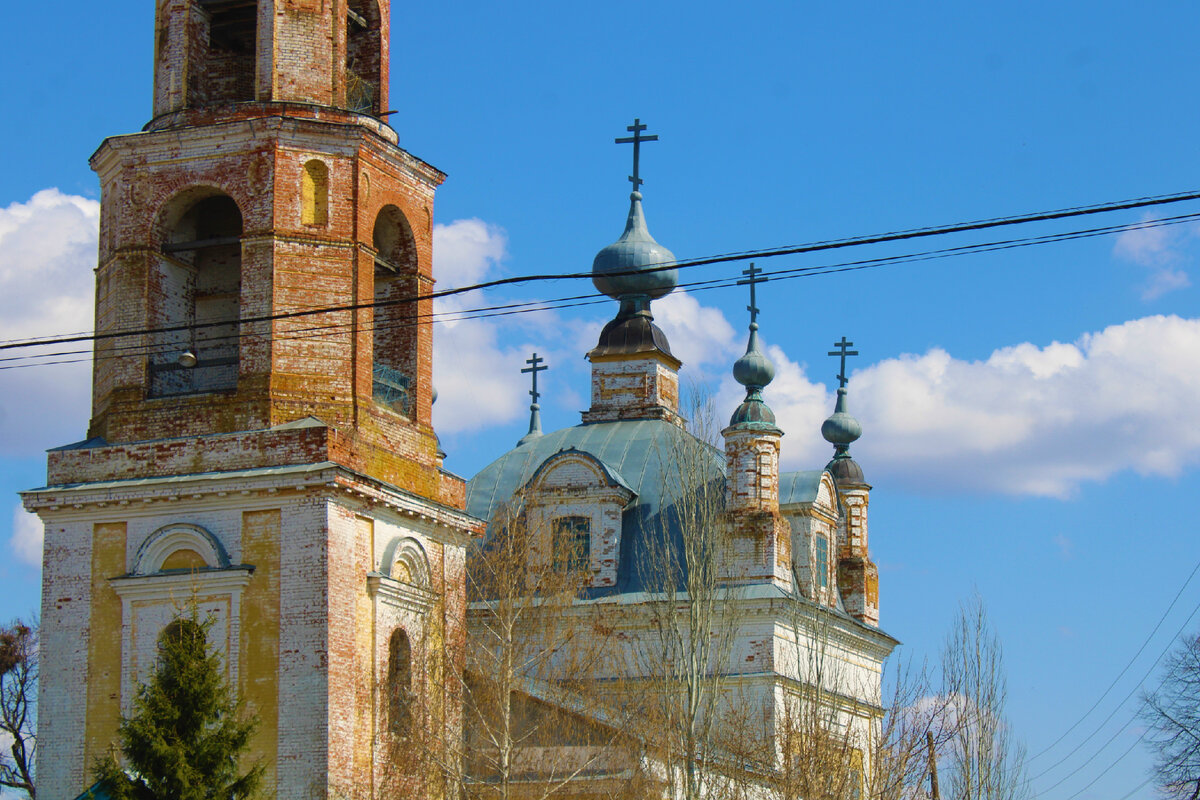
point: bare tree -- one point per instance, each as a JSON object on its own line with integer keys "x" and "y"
{"x": 535, "y": 720}
{"x": 18, "y": 703}
{"x": 1172, "y": 713}
{"x": 984, "y": 760}
{"x": 692, "y": 613}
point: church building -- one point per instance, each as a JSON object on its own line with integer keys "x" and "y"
{"x": 260, "y": 442}
{"x": 261, "y": 448}
{"x": 677, "y": 536}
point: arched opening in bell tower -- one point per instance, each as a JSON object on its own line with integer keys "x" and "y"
{"x": 222, "y": 45}
{"x": 364, "y": 55}
{"x": 394, "y": 328}
{"x": 195, "y": 293}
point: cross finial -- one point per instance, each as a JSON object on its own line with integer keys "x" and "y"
{"x": 753, "y": 277}
{"x": 534, "y": 369}
{"x": 843, "y": 351}
{"x": 636, "y": 140}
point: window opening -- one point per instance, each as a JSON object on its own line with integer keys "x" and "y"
{"x": 822, "y": 565}
{"x": 572, "y": 543}
{"x": 363, "y": 56}
{"x": 399, "y": 682}
{"x": 223, "y": 48}
{"x": 199, "y": 290}
{"x": 394, "y": 324}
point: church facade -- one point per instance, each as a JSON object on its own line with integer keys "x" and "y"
{"x": 273, "y": 466}
{"x": 688, "y": 544}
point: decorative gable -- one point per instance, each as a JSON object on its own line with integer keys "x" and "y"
{"x": 574, "y": 504}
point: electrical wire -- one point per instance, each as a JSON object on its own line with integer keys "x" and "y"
{"x": 894, "y": 236}
{"x": 575, "y": 300}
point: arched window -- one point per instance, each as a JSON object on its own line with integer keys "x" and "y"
{"x": 399, "y": 682}
{"x": 394, "y": 331}
{"x": 314, "y": 193}
{"x": 198, "y": 288}
{"x": 364, "y": 53}
{"x": 222, "y": 47}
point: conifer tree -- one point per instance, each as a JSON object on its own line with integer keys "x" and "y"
{"x": 186, "y": 734}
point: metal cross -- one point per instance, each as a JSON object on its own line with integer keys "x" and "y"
{"x": 843, "y": 351}
{"x": 753, "y": 278}
{"x": 636, "y": 140}
{"x": 534, "y": 369}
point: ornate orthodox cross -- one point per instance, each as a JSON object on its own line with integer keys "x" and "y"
{"x": 753, "y": 277}
{"x": 843, "y": 351}
{"x": 534, "y": 369}
{"x": 636, "y": 140}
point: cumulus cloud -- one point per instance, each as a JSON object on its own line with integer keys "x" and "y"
{"x": 1037, "y": 420}
{"x": 478, "y": 360}
{"x": 1161, "y": 250}
{"x": 26, "y": 539}
{"x": 47, "y": 254}
{"x": 1028, "y": 420}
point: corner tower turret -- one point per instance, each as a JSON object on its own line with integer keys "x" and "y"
{"x": 858, "y": 577}
{"x": 634, "y": 373}
{"x": 761, "y": 536}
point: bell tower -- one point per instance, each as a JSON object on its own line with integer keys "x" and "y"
{"x": 260, "y": 441}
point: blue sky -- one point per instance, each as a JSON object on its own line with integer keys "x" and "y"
{"x": 1029, "y": 415}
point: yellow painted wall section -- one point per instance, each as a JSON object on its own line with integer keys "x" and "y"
{"x": 259, "y": 670}
{"x": 104, "y": 642}
{"x": 364, "y": 649}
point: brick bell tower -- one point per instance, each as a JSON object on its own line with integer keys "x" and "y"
{"x": 260, "y": 441}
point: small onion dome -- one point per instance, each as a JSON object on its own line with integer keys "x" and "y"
{"x": 841, "y": 429}
{"x": 754, "y": 371}
{"x": 635, "y": 250}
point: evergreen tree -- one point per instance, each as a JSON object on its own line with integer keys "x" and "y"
{"x": 186, "y": 733}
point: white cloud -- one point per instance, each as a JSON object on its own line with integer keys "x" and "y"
{"x": 478, "y": 361}
{"x": 467, "y": 251}
{"x": 47, "y": 257}
{"x": 26, "y": 539}
{"x": 1028, "y": 420}
{"x": 1036, "y": 420}
{"x": 1161, "y": 250}
{"x": 700, "y": 336}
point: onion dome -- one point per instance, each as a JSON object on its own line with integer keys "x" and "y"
{"x": 638, "y": 256}
{"x": 840, "y": 430}
{"x": 754, "y": 371}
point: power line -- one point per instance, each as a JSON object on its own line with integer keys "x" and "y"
{"x": 894, "y": 236}
{"x": 337, "y": 328}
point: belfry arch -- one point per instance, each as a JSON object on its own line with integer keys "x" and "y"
{"x": 394, "y": 323}
{"x": 195, "y": 295}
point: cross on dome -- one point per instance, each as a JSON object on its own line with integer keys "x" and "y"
{"x": 533, "y": 369}
{"x": 753, "y": 279}
{"x": 536, "y": 364}
{"x": 843, "y": 351}
{"x": 636, "y": 140}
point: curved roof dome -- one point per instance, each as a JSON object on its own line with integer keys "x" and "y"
{"x": 637, "y": 252}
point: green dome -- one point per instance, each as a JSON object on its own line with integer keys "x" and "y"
{"x": 635, "y": 251}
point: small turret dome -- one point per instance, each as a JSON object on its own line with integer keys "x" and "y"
{"x": 635, "y": 250}
{"x": 841, "y": 429}
{"x": 753, "y": 370}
